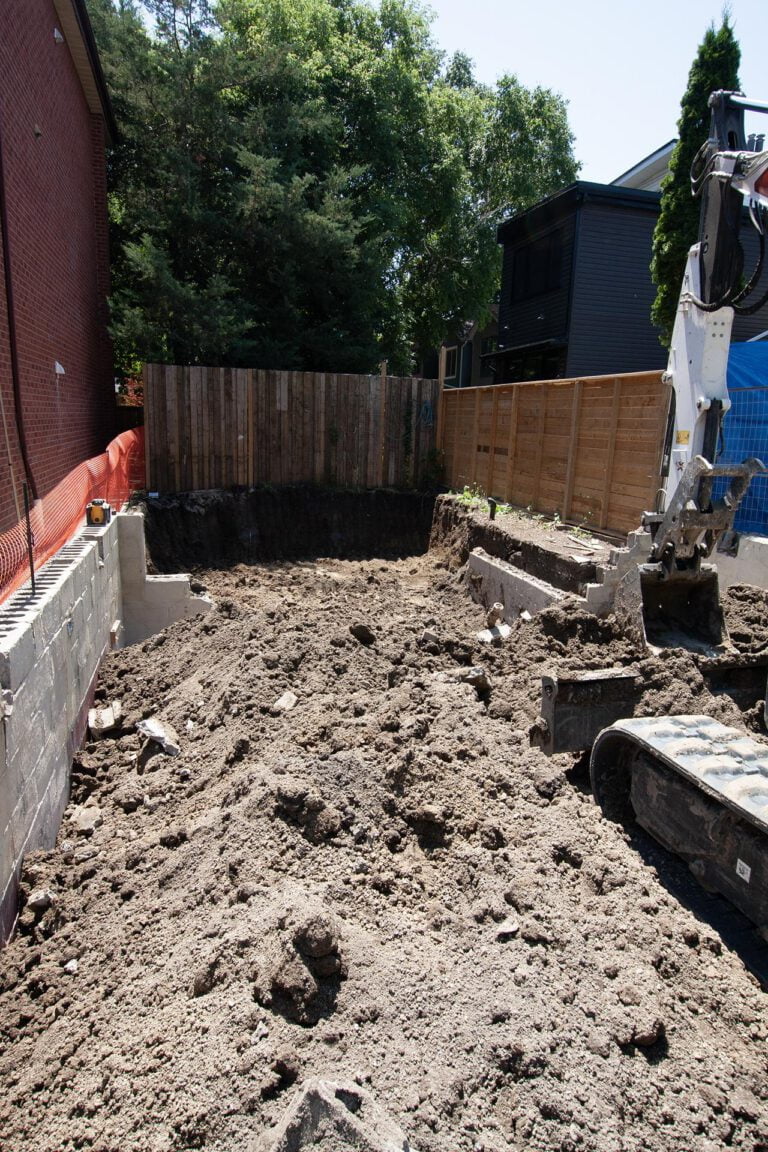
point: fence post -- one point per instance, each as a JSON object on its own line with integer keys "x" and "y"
{"x": 383, "y": 454}
{"x": 570, "y": 468}
{"x": 611, "y": 452}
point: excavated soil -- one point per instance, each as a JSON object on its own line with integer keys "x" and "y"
{"x": 375, "y": 879}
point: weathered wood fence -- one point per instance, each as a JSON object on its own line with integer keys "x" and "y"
{"x": 225, "y": 427}
{"x": 587, "y": 449}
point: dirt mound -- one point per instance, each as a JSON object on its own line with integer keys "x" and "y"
{"x": 357, "y": 869}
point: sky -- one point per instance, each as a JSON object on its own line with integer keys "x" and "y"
{"x": 622, "y": 66}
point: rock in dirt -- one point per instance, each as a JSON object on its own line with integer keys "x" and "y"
{"x": 161, "y": 734}
{"x": 40, "y": 900}
{"x": 329, "y": 1115}
{"x": 102, "y": 721}
{"x": 363, "y": 633}
{"x": 286, "y": 702}
{"x": 86, "y": 819}
{"x": 507, "y": 930}
{"x": 476, "y": 676}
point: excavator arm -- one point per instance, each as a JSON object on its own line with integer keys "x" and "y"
{"x": 689, "y": 521}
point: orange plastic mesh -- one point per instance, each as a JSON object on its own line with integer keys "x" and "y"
{"x": 55, "y": 518}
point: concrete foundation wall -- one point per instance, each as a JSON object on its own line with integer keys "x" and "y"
{"x": 749, "y": 566}
{"x": 93, "y": 595}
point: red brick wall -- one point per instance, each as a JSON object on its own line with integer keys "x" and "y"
{"x": 53, "y": 153}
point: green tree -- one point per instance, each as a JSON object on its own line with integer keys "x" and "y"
{"x": 303, "y": 183}
{"x": 716, "y": 67}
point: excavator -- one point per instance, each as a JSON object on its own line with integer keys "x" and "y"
{"x": 697, "y": 786}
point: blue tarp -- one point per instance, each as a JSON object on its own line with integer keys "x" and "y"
{"x": 745, "y": 428}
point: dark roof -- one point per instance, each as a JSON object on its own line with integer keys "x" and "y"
{"x": 562, "y": 203}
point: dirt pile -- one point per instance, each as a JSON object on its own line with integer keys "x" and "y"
{"x": 357, "y": 869}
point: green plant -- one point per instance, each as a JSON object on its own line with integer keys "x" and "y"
{"x": 471, "y": 495}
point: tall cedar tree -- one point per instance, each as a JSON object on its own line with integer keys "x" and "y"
{"x": 716, "y": 67}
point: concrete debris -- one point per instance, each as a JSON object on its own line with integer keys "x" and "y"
{"x": 71, "y": 967}
{"x": 496, "y": 634}
{"x": 40, "y": 899}
{"x": 476, "y": 676}
{"x": 286, "y": 702}
{"x": 329, "y": 1115}
{"x": 507, "y": 930}
{"x": 86, "y": 819}
{"x": 161, "y": 734}
{"x": 526, "y": 616}
{"x": 104, "y": 720}
{"x": 428, "y": 636}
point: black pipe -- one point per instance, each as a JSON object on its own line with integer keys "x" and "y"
{"x": 30, "y": 546}
{"x": 15, "y": 377}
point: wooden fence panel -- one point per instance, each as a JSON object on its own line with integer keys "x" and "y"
{"x": 588, "y": 450}
{"x": 224, "y": 427}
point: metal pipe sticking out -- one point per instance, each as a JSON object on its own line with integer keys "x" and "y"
{"x": 495, "y": 613}
{"x": 492, "y": 505}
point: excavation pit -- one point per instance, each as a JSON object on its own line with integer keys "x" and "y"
{"x": 458, "y": 929}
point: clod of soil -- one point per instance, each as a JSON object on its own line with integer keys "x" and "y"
{"x": 382, "y": 885}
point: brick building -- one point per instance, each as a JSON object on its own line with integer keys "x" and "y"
{"x": 56, "y": 387}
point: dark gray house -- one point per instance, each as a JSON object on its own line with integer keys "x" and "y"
{"x": 576, "y": 288}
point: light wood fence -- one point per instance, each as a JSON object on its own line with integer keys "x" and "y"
{"x": 225, "y": 427}
{"x": 587, "y": 449}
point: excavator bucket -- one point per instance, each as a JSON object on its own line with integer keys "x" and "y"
{"x": 673, "y": 610}
{"x": 682, "y": 610}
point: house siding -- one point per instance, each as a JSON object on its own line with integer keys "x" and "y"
{"x": 53, "y": 152}
{"x": 610, "y": 328}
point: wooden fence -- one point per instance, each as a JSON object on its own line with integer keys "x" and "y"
{"x": 587, "y": 449}
{"x": 224, "y": 427}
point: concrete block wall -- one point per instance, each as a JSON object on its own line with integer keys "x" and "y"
{"x": 93, "y": 594}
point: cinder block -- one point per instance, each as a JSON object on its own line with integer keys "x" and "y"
{"x": 8, "y": 855}
{"x": 66, "y": 592}
{"x": 51, "y": 613}
{"x": 599, "y": 598}
{"x": 17, "y": 656}
{"x": 47, "y": 819}
{"x": 11, "y": 789}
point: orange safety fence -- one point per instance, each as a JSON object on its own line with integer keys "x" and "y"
{"x": 55, "y": 518}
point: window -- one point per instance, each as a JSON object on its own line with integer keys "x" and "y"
{"x": 536, "y": 266}
{"x": 535, "y": 364}
{"x": 488, "y": 345}
{"x": 450, "y": 362}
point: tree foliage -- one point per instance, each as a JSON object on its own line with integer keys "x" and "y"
{"x": 308, "y": 183}
{"x": 716, "y": 67}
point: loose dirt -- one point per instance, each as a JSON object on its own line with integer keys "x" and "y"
{"x": 357, "y": 867}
